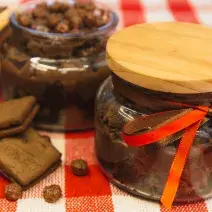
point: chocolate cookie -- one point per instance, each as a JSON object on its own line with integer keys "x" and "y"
{"x": 27, "y": 158}
{"x": 16, "y": 115}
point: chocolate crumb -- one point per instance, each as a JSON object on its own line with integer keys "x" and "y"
{"x": 13, "y": 192}
{"x": 52, "y": 193}
{"x": 79, "y": 167}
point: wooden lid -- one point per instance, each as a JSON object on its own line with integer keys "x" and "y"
{"x": 5, "y": 13}
{"x": 170, "y": 57}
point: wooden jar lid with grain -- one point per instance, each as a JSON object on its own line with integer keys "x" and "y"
{"x": 169, "y": 57}
{"x": 5, "y": 13}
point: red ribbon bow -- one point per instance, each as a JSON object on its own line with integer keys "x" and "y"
{"x": 189, "y": 122}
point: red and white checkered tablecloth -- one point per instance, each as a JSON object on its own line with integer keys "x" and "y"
{"x": 94, "y": 193}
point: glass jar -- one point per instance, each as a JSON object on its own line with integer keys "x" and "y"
{"x": 143, "y": 171}
{"x": 57, "y": 71}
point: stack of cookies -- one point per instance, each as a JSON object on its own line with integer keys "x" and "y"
{"x": 25, "y": 156}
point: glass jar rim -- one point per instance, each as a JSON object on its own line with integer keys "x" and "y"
{"x": 64, "y": 36}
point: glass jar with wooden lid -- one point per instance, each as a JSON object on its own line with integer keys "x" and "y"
{"x": 153, "y": 117}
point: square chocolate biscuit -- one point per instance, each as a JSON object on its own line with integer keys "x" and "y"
{"x": 27, "y": 158}
{"x": 16, "y": 115}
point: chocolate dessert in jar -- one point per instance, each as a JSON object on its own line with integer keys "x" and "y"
{"x": 153, "y": 116}
{"x": 57, "y": 53}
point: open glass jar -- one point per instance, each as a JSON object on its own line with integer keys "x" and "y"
{"x": 143, "y": 170}
{"x": 63, "y": 71}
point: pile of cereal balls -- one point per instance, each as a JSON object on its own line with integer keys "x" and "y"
{"x": 62, "y": 17}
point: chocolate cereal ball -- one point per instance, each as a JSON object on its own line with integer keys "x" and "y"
{"x": 52, "y": 193}
{"x": 79, "y": 167}
{"x": 13, "y": 192}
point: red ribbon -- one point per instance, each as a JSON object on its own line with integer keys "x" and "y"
{"x": 189, "y": 122}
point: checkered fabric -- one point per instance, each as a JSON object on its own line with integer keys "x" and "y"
{"x": 94, "y": 193}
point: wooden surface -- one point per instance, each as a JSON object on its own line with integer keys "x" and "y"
{"x": 4, "y": 23}
{"x": 170, "y": 57}
{"x": 4, "y": 17}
